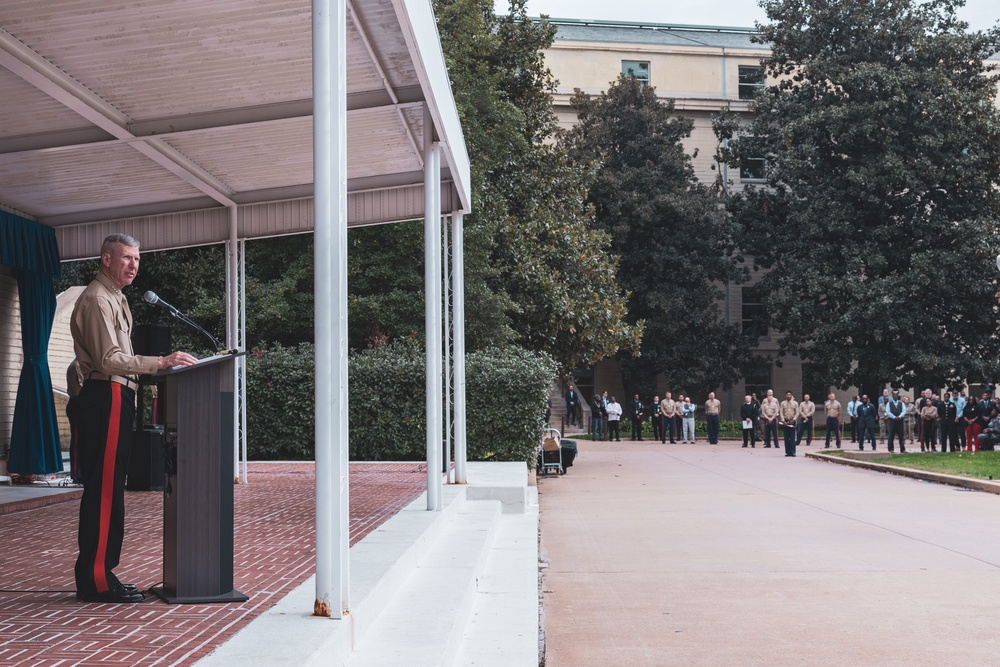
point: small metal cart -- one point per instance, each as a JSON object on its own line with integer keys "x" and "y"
{"x": 550, "y": 454}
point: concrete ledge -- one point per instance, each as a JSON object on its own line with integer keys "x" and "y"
{"x": 989, "y": 486}
{"x": 506, "y": 482}
{"x": 864, "y": 456}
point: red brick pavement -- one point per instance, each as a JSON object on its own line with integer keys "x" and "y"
{"x": 275, "y": 543}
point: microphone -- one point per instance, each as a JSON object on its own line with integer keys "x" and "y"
{"x": 153, "y": 300}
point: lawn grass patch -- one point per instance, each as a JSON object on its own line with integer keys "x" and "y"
{"x": 980, "y": 465}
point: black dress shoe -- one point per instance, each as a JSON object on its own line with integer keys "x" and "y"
{"x": 116, "y": 596}
{"x": 129, "y": 588}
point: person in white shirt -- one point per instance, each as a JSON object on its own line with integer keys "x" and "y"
{"x": 852, "y": 412}
{"x": 614, "y": 420}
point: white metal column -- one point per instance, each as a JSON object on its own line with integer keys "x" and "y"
{"x": 432, "y": 310}
{"x": 330, "y": 201}
{"x": 446, "y": 289}
{"x": 241, "y": 362}
{"x": 235, "y": 338}
{"x": 458, "y": 336}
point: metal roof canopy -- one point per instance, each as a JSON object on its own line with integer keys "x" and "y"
{"x": 152, "y": 117}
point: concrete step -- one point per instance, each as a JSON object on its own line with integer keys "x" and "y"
{"x": 288, "y": 635}
{"x": 423, "y": 624}
{"x": 504, "y": 628}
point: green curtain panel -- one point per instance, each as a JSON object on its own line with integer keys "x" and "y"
{"x": 31, "y": 249}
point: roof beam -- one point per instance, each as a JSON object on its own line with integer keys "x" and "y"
{"x": 174, "y": 126}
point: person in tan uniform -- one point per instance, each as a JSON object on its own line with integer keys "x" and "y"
{"x": 667, "y": 414}
{"x": 806, "y": 411}
{"x": 769, "y": 409}
{"x": 101, "y": 325}
{"x": 832, "y": 408}
{"x": 789, "y": 415}
{"x": 713, "y": 408}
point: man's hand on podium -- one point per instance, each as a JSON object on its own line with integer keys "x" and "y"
{"x": 176, "y": 359}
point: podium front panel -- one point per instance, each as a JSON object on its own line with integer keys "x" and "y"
{"x": 198, "y": 486}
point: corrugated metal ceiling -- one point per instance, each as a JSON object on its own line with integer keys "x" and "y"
{"x": 119, "y": 111}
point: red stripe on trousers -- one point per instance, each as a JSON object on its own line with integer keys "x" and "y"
{"x": 108, "y": 486}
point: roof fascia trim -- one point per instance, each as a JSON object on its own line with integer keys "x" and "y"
{"x": 419, "y": 29}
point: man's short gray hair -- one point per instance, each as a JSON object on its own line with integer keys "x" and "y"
{"x": 124, "y": 239}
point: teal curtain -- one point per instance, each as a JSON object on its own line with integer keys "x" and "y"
{"x": 31, "y": 249}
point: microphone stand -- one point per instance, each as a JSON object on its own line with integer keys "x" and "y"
{"x": 181, "y": 317}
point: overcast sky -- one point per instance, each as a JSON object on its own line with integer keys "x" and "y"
{"x": 980, "y": 14}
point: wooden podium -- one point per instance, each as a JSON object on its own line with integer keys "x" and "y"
{"x": 198, "y": 483}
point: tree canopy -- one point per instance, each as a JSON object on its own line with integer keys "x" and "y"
{"x": 674, "y": 240}
{"x": 878, "y": 223}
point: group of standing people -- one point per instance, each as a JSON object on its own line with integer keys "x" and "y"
{"x": 795, "y": 419}
{"x": 952, "y": 421}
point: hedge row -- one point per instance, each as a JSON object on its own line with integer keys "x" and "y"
{"x": 506, "y": 391}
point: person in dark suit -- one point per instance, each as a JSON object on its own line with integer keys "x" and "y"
{"x": 654, "y": 417}
{"x": 638, "y": 413}
{"x": 572, "y": 404}
{"x": 867, "y": 420}
{"x": 748, "y": 411}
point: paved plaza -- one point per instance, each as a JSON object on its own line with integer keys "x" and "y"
{"x": 718, "y": 555}
{"x": 274, "y": 553}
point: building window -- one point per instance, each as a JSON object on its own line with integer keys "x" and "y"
{"x": 751, "y": 80}
{"x": 755, "y": 320}
{"x": 638, "y": 70}
{"x": 758, "y": 381}
{"x": 753, "y": 169}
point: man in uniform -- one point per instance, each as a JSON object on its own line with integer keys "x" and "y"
{"x": 832, "y": 410}
{"x": 101, "y": 325}
{"x": 712, "y": 409}
{"x": 667, "y": 414}
{"x": 807, "y": 410}
{"x": 789, "y": 415}
{"x": 769, "y": 412}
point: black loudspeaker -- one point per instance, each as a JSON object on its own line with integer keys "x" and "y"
{"x": 145, "y": 466}
{"x": 151, "y": 340}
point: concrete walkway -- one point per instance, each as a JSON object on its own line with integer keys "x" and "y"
{"x": 698, "y": 555}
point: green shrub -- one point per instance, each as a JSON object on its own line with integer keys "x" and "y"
{"x": 388, "y": 403}
{"x": 280, "y": 400}
{"x": 506, "y": 391}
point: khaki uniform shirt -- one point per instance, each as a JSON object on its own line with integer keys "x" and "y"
{"x": 74, "y": 380}
{"x": 789, "y": 410}
{"x": 678, "y": 408}
{"x": 667, "y": 407}
{"x": 102, "y": 326}
{"x": 833, "y": 408}
{"x": 712, "y": 406}
{"x": 769, "y": 408}
{"x": 807, "y": 409}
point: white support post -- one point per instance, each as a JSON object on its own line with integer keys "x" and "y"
{"x": 241, "y": 362}
{"x": 446, "y": 289}
{"x": 458, "y": 336}
{"x": 330, "y": 201}
{"x": 232, "y": 321}
{"x": 432, "y": 310}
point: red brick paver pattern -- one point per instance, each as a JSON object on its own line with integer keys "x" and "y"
{"x": 274, "y": 549}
